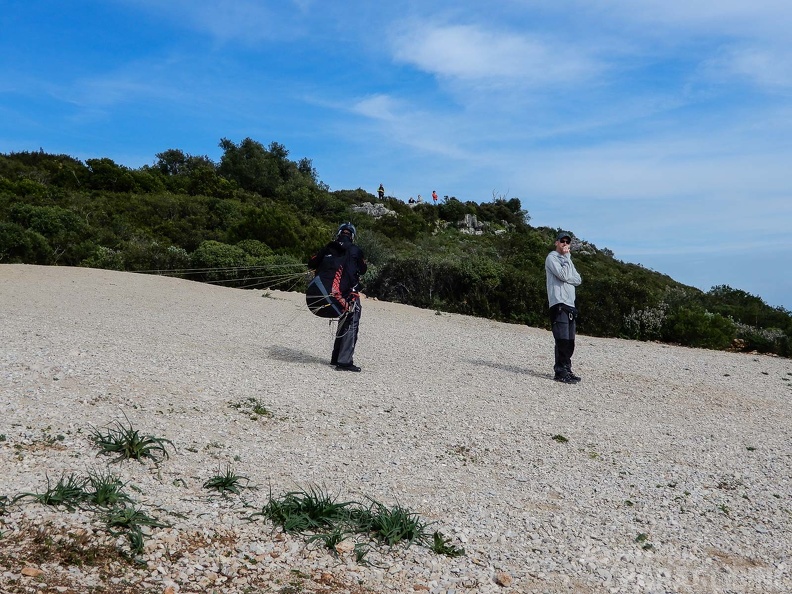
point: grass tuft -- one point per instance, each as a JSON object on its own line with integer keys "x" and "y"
{"x": 316, "y": 512}
{"x": 130, "y": 521}
{"x": 106, "y": 490}
{"x": 442, "y": 546}
{"x": 227, "y": 481}
{"x": 305, "y": 511}
{"x": 395, "y": 524}
{"x": 127, "y": 443}
{"x": 69, "y": 492}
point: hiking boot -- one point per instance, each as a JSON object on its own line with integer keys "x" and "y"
{"x": 347, "y": 367}
{"x": 573, "y": 376}
{"x": 566, "y": 378}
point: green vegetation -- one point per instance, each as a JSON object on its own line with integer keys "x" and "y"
{"x": 252, "y": 220}
{"x": 227, "y": 481}
{"x": 103, "y": 491}
{"x": 69, "y": 492}
{"x": 313, "y": 512}
{"x": 128, "y": 443}
{"x": 319, "y": 514}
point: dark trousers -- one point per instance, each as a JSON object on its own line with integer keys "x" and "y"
{"x": 564, "y": 334}
{"x": 346, "y": 335}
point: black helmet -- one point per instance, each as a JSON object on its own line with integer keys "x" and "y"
{"x": 347, "y": 227}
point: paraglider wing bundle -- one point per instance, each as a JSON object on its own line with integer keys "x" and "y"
{"x": 324, "y": 296}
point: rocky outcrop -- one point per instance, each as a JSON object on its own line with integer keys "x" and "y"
{"x": 471, "y": 225}
{"x": 373, "y": 210}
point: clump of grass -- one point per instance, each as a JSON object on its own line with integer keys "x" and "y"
{"x": 330, "y": 539}
{"x": 3, "y": 504}
{"x": 304, "y": 511}
{"x": 643, "y": 540}
{"x": 253, "y": 407}
{"x": 130, "y": 521}
{"x": 320, "y": 514}
{"x": 69, "y": 492}
{"x": 227, "y": 481}
{"x": 106, "y": 490}
{"x": 127, "y": 443}
{"x": 442, "y": 546}
{"x": 560, "y": 438}
{"x": 395, "y": 524}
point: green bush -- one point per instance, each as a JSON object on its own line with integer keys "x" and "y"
{"x": 23, "y": 246}
{"x": 699, "y": 328}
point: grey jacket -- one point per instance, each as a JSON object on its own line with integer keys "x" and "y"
{"x": 562, "y": 278}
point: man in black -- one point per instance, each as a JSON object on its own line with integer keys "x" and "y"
{"x": 339, "y": 265}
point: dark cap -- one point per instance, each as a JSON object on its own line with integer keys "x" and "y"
{"x": 562, "y": 235}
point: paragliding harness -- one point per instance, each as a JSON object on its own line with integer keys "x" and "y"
{"x": 323, "y": 295}
{"x": 570, "y": 311}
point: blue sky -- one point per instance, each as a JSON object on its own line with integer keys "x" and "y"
{"x": 661, "y": 129}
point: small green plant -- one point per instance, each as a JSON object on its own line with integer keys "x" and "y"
{"x": 560, "y": 438}
{"x": 227, "y": 481}
{"x": 361, "y": 550}
{"x": 129, "y": 521}
{"x": 395, "y": 524}
{"x": 69, "y": 492}
{"x": 318, "y": 512}
{"x": 442, "y": 546}
{"x": 2, "y": 437}
{"x": 106, "y": 490}
{"x": 305, "y": 511}
{"x": 127, "y": 443}
{"x": 127, "y": 517}
{"x": 643, "y": 540}
{"x": 330, "y": 539}
{"x": 252, "y": 407}
{"x": 3, "y": 504}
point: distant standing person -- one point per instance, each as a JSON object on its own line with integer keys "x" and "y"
{"x": 381, "y": 192}
{"x": 434, "y": 196}
{"x": 340, "y": 264}
{"x": 562, "y": 278}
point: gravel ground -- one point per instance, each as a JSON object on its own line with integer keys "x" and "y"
{"x": 666, "y": 469}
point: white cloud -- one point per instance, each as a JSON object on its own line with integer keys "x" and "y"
{"x": 765, "y": 66}
{"x": 378, "y": 107}
{"x": 471, "y": 53}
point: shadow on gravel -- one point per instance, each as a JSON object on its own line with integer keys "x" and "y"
{"x": 282, "y": 353}
{"x": 511, "y": 368}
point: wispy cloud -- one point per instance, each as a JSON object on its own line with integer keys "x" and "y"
{"x": 473, "y": 54}
{"x": 768, "y": 67}
{"x": 243, "y": 21}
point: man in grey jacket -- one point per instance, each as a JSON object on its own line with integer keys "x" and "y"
{"x": 562, "y": 278}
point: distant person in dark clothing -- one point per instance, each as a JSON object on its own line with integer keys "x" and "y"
{"x": 340, "y": 264}
{"x": 381, "y": 192}
{"x": 562, "y": 278}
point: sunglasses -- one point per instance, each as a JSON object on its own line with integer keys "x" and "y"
{"x": 566, "y": 241}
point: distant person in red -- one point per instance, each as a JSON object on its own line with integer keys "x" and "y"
{"x": 434, "y": 196}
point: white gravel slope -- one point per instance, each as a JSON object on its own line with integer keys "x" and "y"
{"x": 453, "y": 417}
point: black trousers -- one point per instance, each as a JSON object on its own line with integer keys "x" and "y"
{"x": 346, "y": 335}
{"x": 563, "y": 324}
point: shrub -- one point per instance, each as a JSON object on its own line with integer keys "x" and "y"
{"x": 699, "y": 328}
